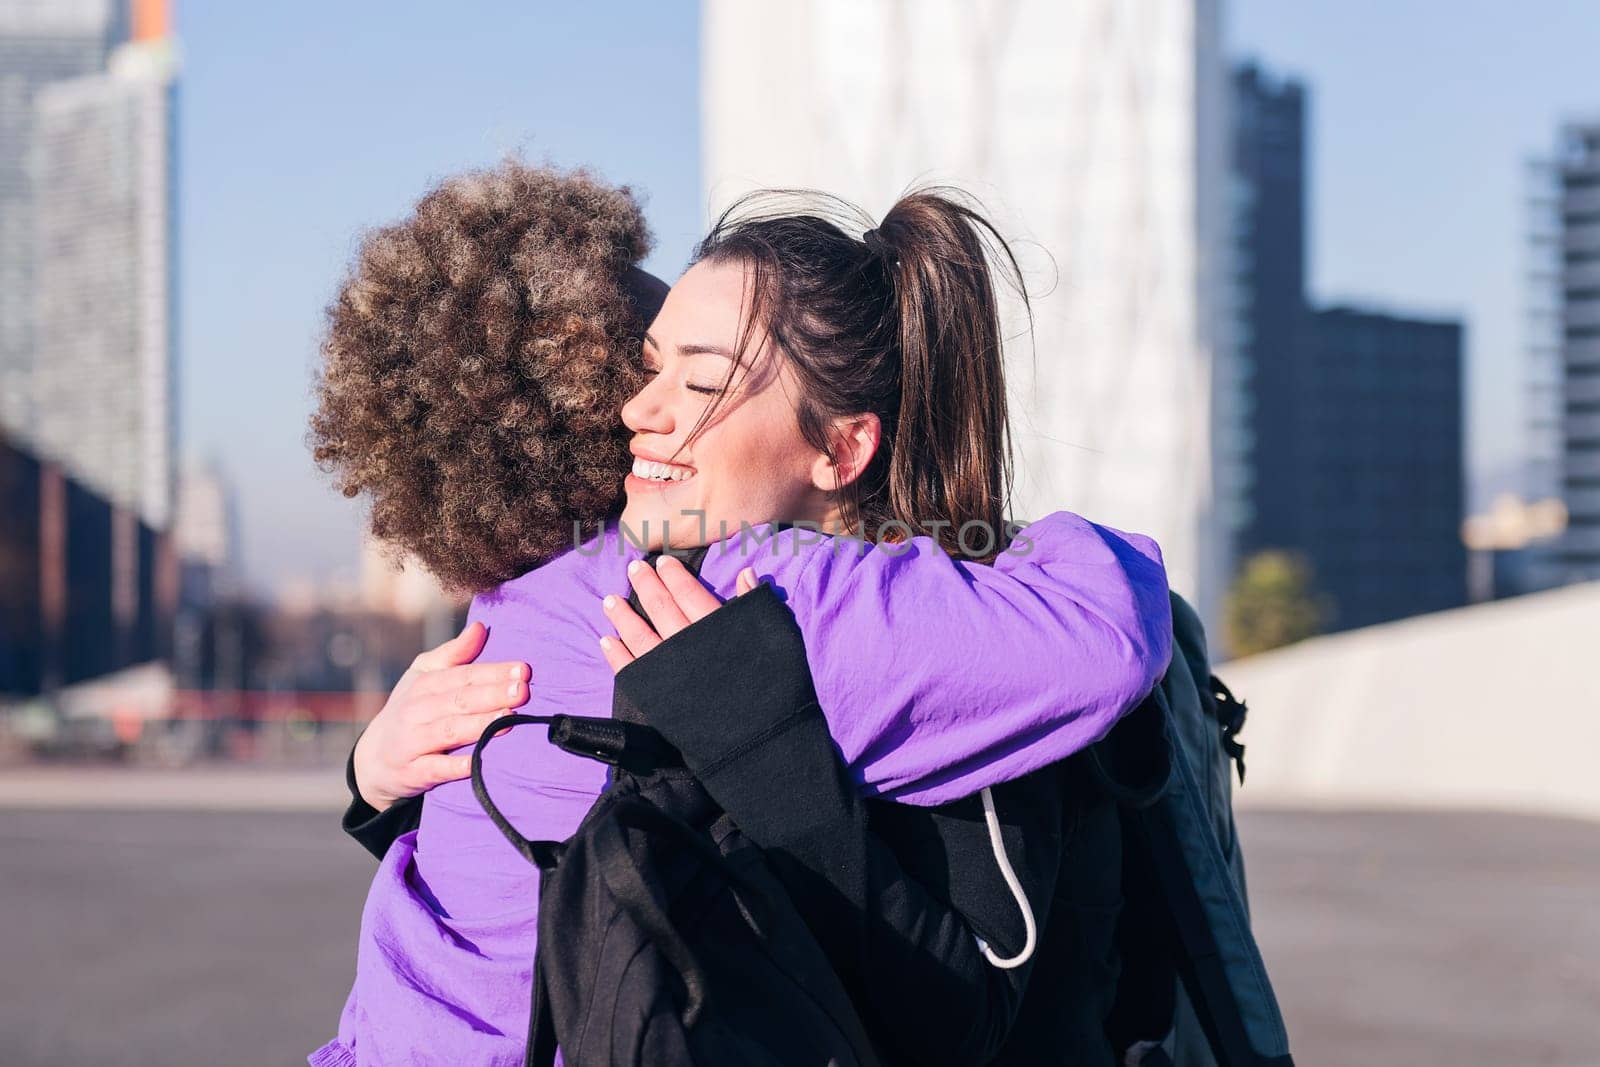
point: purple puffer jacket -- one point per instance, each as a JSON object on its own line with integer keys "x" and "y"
{"x": 938, "y": 677}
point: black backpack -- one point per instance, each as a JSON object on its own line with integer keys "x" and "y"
{"x": 664, "y": 936}
{"x": 1193, "y": 989}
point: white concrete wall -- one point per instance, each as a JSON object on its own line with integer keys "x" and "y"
{"x": 1494, "y": 706}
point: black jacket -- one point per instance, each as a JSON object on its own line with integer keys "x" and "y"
{"x": 895, "y": 893}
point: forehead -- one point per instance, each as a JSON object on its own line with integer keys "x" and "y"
{"x": 705, "y": 306}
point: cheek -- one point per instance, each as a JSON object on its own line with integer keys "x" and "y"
{"x": 735, "y": 454}
{"x": 746, "y": 460}
{"x": 775, "y": 451}
{"x": 760, "y": 465}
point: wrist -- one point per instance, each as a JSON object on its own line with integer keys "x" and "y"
{"x": 354, "y": 782}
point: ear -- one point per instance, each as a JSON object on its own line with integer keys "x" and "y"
{"x": 855, "y": 440}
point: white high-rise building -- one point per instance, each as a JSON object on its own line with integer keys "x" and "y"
{"x": 104, "y": 325}
{"x": 1093, "y": 131}
{"x": 205, "y": 524}
{"x": 41, "y": 41}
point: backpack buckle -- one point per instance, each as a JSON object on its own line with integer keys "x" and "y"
{"x": 1230, "y": 713}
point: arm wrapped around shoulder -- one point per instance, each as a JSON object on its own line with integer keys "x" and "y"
{"x": 941, "y": 676}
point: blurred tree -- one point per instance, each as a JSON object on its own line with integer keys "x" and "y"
{"x": 1273, "y": 603}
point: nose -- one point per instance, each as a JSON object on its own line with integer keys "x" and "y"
{"x": 646, "y": 411}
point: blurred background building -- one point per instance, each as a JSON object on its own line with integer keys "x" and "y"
{"x": 42, "y": 42}
{"x": 1562, "y": 544}
{"x": 1267, "y": 294}
{"x": 104, "y": 253}
{"x": 1301, "y": 461}
{"x": 1095, "y": 133}
{"x": 1579, "y": 248}
{"x": 1535, "y": 564}
{"x": 1382, "y": 482}
{"x": 1355, "y": 424}
{"x": 1178, "y": 381}
{"x": 87, "y": 338}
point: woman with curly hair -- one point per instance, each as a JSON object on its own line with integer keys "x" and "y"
{"x": 794, "y": 374}
{"x": 474, "y": 364}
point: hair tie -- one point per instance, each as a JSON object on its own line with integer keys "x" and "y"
{"x": 876, "y": 246}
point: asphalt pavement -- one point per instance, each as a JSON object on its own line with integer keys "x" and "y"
{"x": 186, "y": 938}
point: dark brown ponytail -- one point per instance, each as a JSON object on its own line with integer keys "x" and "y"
{"x": 903, "y": 324}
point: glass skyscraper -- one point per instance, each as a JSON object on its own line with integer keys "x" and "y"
{"x": 1268, "y": 250}
{"x": 1352, "y": 418}
{"x": 1578, "y": 169}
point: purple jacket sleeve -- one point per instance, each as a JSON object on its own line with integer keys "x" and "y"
{"x": 940, "y": 676}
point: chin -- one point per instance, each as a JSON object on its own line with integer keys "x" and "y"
{"x": 648, "y": 513}
{"x": 643, "y": 531}
{"x": 650, "y": 524}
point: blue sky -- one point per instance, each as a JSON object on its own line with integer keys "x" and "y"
{"x": 301, "y": 123}
{"x": 1423, "y": 114}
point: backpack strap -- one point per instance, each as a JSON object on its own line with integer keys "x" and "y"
{"x": 1142, "y": 765}
{"x": 1229, "y": 712}
{"x": 1202, "y": 963}
{"x": 1217, "y": 957}
{"x": 542, "y": 854}
{"x": 631, "y": 746}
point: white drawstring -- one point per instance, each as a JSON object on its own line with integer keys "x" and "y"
{"x": 999, "y": 846}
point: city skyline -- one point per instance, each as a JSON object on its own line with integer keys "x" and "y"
{"x": 256, "y": 272}
{"x": 1350, "y": 435}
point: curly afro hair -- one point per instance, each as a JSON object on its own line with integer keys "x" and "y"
{"x": 474, "y": 368}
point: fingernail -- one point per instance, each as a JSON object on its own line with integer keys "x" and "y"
{"x": 605, "y": 643}
{"x": 610, "y": 601}
{"x": 633, "y": 568}
{"x": 514, "y": 690}
{"x": 661, "y": 561}
{"x": 516, "y": 672}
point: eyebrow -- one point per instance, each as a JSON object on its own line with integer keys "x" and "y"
{"x": 696, "y": 349}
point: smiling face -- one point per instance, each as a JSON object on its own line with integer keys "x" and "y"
{"x": 749, "y": 463}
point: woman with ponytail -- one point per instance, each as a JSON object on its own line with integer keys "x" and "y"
{"x": 966, "y": 934}
{"x": 827, "y": 412}
{"x": 900, "y": 329}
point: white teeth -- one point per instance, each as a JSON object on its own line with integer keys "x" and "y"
{"x": 659, "y": 472}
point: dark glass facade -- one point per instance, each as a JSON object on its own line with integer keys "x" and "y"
{"x": 60, "y": 571}
{"x": 1269, "y": 252}
{"x": 1354, "y": 417}
{"x": 1381, "y": 496}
